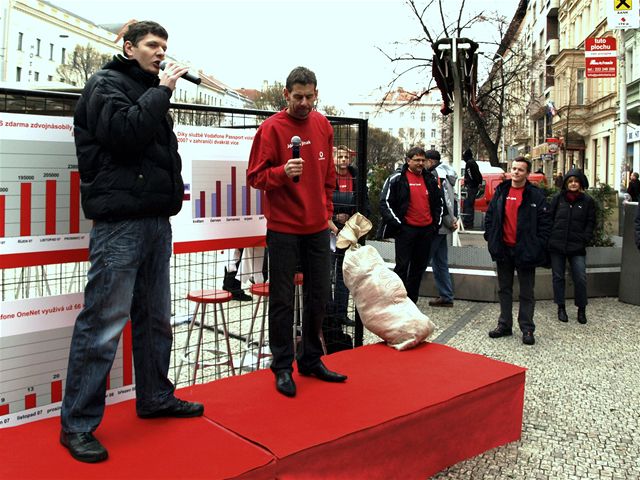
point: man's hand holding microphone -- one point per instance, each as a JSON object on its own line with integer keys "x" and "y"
{"x": 293, "y": 167}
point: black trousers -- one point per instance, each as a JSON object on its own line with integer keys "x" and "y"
{"x": 526, "y": 280}
{"x": 412, "y": 246}
{"x": 468, "y": 207}
{"x": 286, "y": 252}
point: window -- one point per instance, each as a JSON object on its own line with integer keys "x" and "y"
{"x": 423, "y": 117}
{"x": 18, "y": 74}
{"x": 401, "y": 114}
{"x": 49, "y": 78}
{"x": 37, "y": 47}
{"x": 412, "y": 133}
{"x": 401, "y": 133}
{"x": 51, "y": 51}
{"x": 423, "y": 133}
{"x": 20, "y": 41}
{"x": 580, "y": 86}
{"x": 63, "y": 56}
{"x": 434, "y": 117}
{"x": 36, "y": 76}
{"x": 433, "y": 133}
{"x": 541, "y": 84}
{"x": 413, "y": 116}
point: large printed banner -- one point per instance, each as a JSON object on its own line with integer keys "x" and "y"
{"x": 41, "y": 221}
{"x": 35, "y": 335}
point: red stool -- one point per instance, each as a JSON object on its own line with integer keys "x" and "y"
{"x": 260, "y": 290}
{"x": 205, "y": 297}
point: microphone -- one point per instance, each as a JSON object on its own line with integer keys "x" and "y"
{"x": 187, "y": 76}
{"x": 296, "y": 142}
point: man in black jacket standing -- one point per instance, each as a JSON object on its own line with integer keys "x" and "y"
{"x": 130, "y": 185}
{"x": 517, "y": 227}
{"x": 411, "y": 207}
{"x": 472, "y": 182}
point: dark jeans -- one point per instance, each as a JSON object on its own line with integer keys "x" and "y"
{"x": 468, "y": 207}
{"x": 578, "y": 273}
{"x": 128, "y": 277}
{"x": 286, "y": 251}
{"x": 340, "y": 299}
{"x": 412, "y": 245}
{"x": 526, "y": 280}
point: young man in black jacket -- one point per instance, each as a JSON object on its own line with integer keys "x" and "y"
{"x": 517, "y": 227}
{"x": 412, "y": 208}
{"x": 130, "y": 186}
{"x": 472, "y": 182}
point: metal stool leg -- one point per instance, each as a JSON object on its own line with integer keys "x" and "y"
{"x": 226, "y": 337}
{"x": 199, "y": 345}
{"x": 185, "y": 355}
{"x": 250, "y": 334}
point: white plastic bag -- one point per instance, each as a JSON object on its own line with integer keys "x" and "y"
{"x": 378, "y": 292}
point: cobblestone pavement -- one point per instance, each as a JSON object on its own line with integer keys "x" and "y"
{"x": 582, "y": 393}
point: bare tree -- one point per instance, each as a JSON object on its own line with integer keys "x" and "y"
{"x": 272, "y": 98}
{"x": 85, "y": 61}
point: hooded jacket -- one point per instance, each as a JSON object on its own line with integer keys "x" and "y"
{"x": 573, "y": 223}
{"x": 447, "y": 178}
{"x": 127, "y": 152}
{"x": 394, "y": 201}
{"x": 532, "y": 232}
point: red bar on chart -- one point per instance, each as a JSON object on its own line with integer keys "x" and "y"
{"x": 25, "y": 209}
{"x": 56, "y": 391}
{"x": 127, "y": 355}
{"x": 4, "y": 409}
{"x": 247, "y": 196}
{"x": 30, "y": 401}
{"x": 233, "y": 192}
{"x": 218, "y": 199}
{"x": 74, "y": 202}
{"x": 3, "y": 214}
{"x": 50, "y": 208}
{"x": 203, "y": 200}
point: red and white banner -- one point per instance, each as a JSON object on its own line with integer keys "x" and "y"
{"x": 600, "y": 57}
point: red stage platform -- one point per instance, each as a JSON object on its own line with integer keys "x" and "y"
{"x": 399, "y": 415}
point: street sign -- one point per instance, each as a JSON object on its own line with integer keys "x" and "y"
{"x": 600, "y": 57}
{"x": 623, "y": 14}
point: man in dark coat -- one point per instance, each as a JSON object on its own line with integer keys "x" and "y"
{"x": 412, "y": 208}
{"x": 130, "y": 186}
{"x": 634, "y": 187}
{"x": 517, "y": 227}
{"x": 472, "y": 182}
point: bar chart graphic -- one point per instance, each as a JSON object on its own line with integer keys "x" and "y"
{"x": 34, "y": 367}
{"x": 219, "y": 189}
{"x": 39, "y": 189}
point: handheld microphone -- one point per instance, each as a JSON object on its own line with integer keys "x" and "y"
{"x": 296, "y": 142}
{"x": 187, "y": 76}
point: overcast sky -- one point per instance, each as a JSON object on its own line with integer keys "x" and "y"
{"x": 244, "y": 42}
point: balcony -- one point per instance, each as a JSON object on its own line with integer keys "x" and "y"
{"x": 551, "y": 50}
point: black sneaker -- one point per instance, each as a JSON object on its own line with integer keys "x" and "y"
{"x": 180, "y": 409}
{"x": 84, "y": 447}
{"x": 528, "y": 338}
{"x": 500, "y": 331}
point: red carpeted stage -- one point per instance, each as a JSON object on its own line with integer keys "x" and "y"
{"x": 399, "y": 415}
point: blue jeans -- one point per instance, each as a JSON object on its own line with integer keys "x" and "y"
{"x": 439, "y": 259}
{"x": 578, "y": 265}
{"x": 128, "y": 278}
{"x": 286, "y": 251}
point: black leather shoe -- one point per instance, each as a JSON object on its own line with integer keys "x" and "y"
{"x": 440, "y": 302}
{"x": 180, "y": 409}
{"x": 499, "y": 331}
{"x": 241, "y": 296}
{"x": 322, "y": 373}
{"x": 84, "y": 447}
{"x": 562, "y": 314}
{"x": 285, "y": 384}
{"x": 528, "y": 338}
{"x": 582, "y": 315}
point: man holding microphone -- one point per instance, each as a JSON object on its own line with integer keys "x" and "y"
{"x": 292, "y": 161}
{"x": 130, "y": 185}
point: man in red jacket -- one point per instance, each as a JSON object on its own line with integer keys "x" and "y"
{"x": 298, "y": 209}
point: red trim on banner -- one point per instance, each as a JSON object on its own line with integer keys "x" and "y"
{"x": 32, "y": 259}
{"x": 218, "y": 244}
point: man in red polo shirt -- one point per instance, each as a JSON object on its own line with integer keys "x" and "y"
{"x": 517, "y": 227}
{"x": 411, "y": 207}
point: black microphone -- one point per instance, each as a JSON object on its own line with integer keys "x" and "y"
{"x": 296, "y": 142}
{"x": 187, "y": 76}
